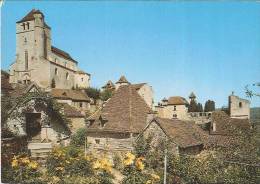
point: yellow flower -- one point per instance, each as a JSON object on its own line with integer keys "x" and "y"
{"x": 14, "y": 162}
{"x": 33, "y": 165}
{"x": 139, "y": 164}
{"x": 103, "y": 164}
{"x": 97, "y": 165}
{"x": 148, "y": 182}
{"x": 155, "y": 176}
{"x": 59, "y": 168}
{"x": 129, "y": 159}
{"x": 25, "y": 160}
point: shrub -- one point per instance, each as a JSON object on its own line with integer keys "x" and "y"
{"x": 93, "y": 93}
{"x": 78, "y": 139}
{"x": 106, "y": 94}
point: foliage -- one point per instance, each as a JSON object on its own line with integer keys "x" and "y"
{"x": 252, "y": 92}
{"x": 199, "y": 107}
{"x": 193, "y": 106}
{"x": 53, "y": 83}
{"x": 209, "y": 106}
{"x": 106, "y": 94}
{"x": 93, "y": 93}
{"x": 78, "y": 139}
{"x": 142, "y": 146}
{"x": 21, "y": 169}
{"x": 118, "y": 161}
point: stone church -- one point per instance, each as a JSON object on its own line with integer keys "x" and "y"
{"x": 40, "y": 62}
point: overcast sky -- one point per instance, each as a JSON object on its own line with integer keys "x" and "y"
{"x": 176, "y": 47}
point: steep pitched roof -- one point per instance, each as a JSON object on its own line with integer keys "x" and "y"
{"x": 138, "y": 86}
{"x": 125, "y": 111}
{"x": 70, "y": 94}
{"x": 122, "y": 80}
{"x": 30, "y": 16}
{"x": 62, "y": 53}
{"x": 109, "y": 85}
{"x": 21, "y": 89}
{"x": 70, "y": 111}
{"x": 183, "y": 133}
{"x": 177, "y": 100}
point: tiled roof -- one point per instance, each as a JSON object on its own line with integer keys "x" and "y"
{"x": 82, "y": 72}
{"x": 30, "y": 16}
{"x": 109, "y": 85}
{"x": 138, "y": 86}
{"x": 125, "y": 111}
{"x": 62, "y": 53}
{"x": 177, "y": 100}
{"x": 225, "y": 124}
{"x": 122, "y": 80}
{"x": 183, "y": 133}
{"x": 70, "y": 111}
{"x": 21, "y": 89}
{"x": 75, "y": 95}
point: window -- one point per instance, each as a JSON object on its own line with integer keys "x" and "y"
{"x": 80, "y": 104}
{"x": 26, "y": 59}
{"x": 25, "y": 40}
{"x": 28, "y": 25}
{"x": 174, "y": 108}
{"x": 23, "y": 25}
{"x": 67, "y": 75}
{"x": 240, "y": 104}
{"x": 56, "y": 71}
{"x": 174, "y": 116}
{"x": 82, "y": 79}
{"x": 97, "y": 141}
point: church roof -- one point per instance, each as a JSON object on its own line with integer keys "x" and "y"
{"x": 125, "y": 111}
{"x": 75, "y": 95}
{"x": 122, "y": 80}
{"x": 62, "y": 53}
{"x": 177, "y": 100}
{"x": 30, "y": 16}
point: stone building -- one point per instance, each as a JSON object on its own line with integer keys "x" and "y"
{"x": 115, "y": 126}
{"x": 143, "y": 89}
{"x": 238, "y": 107}
{"x": 173, "y": 107}
{"x": 40, "y": 62}
{"x": 184, "y": 137}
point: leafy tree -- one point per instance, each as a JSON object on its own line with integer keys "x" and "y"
{"x": 209, "y": 106}
{"x": 93, "y": 93}
{"x": 106, "y": 94}
{"x": 53, "y": 83}
{"x": 78, "y": 139}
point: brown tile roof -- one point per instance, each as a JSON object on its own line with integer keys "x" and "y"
{"x": 177, "y": 100}
{"x": 226, "y": 125}
{"x": 109, "y": 85}
{"x": 21, "y": 89}
{"x": 30, "y": 16}
{"x": 122, "y": 80}
{"x": 82, "y": 72}
{"x": 62, "y": 53}
{"x": 75, "y": 95}
{"x": 183, "y": 133}
{"x": 125, "y": 111}
{"x": 138, "y": 86}
{"x": 70, "y": 111}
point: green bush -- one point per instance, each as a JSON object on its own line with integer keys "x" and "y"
{"x": 78, "y": 139}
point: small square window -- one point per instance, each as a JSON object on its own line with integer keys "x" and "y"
{"x": 97, "y": 141}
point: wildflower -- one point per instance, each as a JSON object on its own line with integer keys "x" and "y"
{"x": 139, "y": 164}
{"x": 155, "y": 176}
{"x": 96, "y": 164}
{"x": 68, "y": 162}
{"x": 129, "y": 159}
{"x": 33, "y": 165}
{"x": 59, "y": 168}
{"x": 14, "y": 162}
{"x": 149, "y": 182}
{"x": 25, "y": 160}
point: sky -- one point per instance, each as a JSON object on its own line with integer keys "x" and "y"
{"x": 210, "y": 48}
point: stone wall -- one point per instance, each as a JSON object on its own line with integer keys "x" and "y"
{"x": 239, "y": 108}
{"x": 76, "y": 123}
{"x": 146, "y": 92}
{"x": 173, "y": 111}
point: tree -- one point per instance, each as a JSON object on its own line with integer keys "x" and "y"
{"x": 106, "y": 94}
{"x": 93, "y": 93}
{"x": 78, "y": 139}
{"x": 193, "y": 106}
{"x": 209, "y": 106}
{"x": 199, "y": 107}
{"x": 53, "y": 83}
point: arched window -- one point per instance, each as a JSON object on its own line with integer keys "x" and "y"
{"x": 56, "y": 71}
{"x": 240, "y": 104}
{"x": 67, "y": 75}
{"x": 26, "y": 59}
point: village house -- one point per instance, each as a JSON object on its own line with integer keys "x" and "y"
{"x": 183, "y": 137}
{"x": 238, "y": 108}
{"x": 40, "y": 62}
{"x": 143, "y": 89}
{"x": 115, "y": 126}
